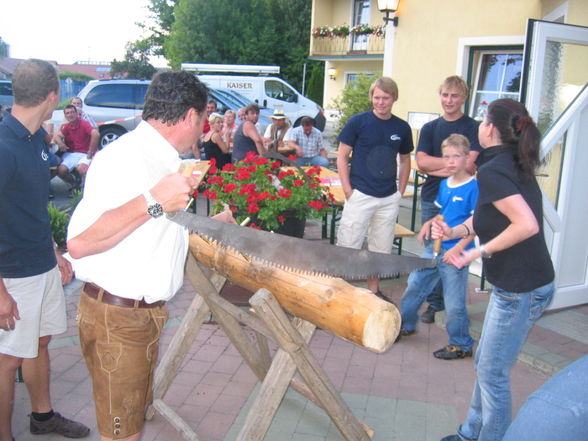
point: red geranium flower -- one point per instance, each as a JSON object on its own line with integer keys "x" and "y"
{"x": 285, "y": 192}
{"x": 229, "y": 167}
{"x": 230, "y": 187}
{"x": 281, "y": 219}
{"x": 298, "y": 182}
{"x": 252, "y": 208}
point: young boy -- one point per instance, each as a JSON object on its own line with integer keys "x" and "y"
{"x": 456, "y": 200}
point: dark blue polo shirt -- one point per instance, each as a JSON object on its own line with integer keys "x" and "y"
{"x": 375, "y": 143}
{"x": 26, "y": 247}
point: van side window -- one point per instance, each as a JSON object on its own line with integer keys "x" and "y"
{"x": 279, "y": 91}
{"x": 112, "y": 95}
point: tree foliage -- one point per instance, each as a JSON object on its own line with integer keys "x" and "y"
{"x": 354, "y": 98}
{"x": 75, "y": 76}
{"x": 136, "y": 62}
{"x": 269, "y": 32}
{"x": 3, "y": 48}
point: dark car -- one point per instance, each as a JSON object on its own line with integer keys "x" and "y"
{"x": 6, "y": 93}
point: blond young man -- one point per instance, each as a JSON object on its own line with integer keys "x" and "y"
{"x": 376, "y": 138}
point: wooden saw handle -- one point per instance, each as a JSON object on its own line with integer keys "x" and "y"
{"x": 437, "y": 244}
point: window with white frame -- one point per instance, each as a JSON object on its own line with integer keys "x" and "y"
{"x": 361, "y": 15}
{"x": 497, "y": 75}
{"x": 352, "y": 76}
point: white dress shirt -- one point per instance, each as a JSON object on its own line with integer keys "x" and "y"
{"x": 149, "y": 263}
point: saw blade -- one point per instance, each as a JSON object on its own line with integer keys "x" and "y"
{"x": 295, "y": 254}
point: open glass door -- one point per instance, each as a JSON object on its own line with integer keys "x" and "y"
{"x": 554, "y": 76}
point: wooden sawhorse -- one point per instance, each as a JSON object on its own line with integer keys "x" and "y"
{"x": 269, "y": 321}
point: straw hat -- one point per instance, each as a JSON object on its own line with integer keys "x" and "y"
{"x": 278, "y": 114}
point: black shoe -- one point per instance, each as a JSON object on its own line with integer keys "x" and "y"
{"x": 407, "y": 332}
{"x": 429, "y": 315}
{"x": 60, "y": 425}
{"x": 450, "y": 352}
{"x": 379, "y": 294}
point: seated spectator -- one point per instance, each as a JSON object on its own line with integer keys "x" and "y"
{"x": 247, "y": 138}
{"x": 77, "y": 101}
{"x": 273, "y": 137}
{"x": 210, "y": 109}
{"x": 214, "y": 144}
{"x": 79, "y": 141}
{"x": 54, "y": 160}
{"x": 229, "y": 128}
{"x": 307, "y": 140}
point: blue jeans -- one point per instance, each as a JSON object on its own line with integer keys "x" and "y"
{"x": 509, "y": 318}
{"x": 435, "y": 295}
{"x": 455, "y": 284}
{"x": 315, "y": 160}
{"x": 557, "y": 410}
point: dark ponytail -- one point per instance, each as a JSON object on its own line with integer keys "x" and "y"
{"x": 516, "y": 127}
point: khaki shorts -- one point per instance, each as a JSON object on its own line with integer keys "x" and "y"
{"x": 41, "y": 305}
{"x": 369, "y": 216}
{"x": 120, "y": 346}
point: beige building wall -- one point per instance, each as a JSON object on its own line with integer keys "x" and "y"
{"x": 427, "y": 42}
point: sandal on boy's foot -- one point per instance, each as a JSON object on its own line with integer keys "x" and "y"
{"x": 450, "y": 352}
{"x": 60, "y": 425}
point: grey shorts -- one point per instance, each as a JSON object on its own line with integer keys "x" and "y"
{"x": 41, "y": 305}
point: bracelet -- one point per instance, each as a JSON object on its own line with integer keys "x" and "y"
{"x": 467, "y": 230}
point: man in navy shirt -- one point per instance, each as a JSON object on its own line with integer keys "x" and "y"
{"x": 32, "y": 304}
{"x": 452, "y": 93}
{"x": 376, "y": 138}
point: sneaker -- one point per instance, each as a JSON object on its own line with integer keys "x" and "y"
{"x": 429, "y": 315}
{"x": 450, "y": 352}
{"x": 60, "y": 425}
{"x": 455, "y": 438}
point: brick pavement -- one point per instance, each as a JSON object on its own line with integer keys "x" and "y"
{"x": 405, "y": 394}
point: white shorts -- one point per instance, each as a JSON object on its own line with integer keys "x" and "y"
{"x": 41, "y": 305}
{"x": 71, "y": 160}
{"x": 369, "y": 216}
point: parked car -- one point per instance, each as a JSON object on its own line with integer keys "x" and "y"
{"x": 6, "y": 93}
{"x": 117, "y": 106}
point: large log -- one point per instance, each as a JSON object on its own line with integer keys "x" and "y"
{"x": 352, "y": 313}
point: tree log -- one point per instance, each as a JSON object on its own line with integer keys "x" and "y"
{"x": 352, "y": 313}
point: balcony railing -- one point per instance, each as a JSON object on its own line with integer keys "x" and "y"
{"x": 350, "y": 45}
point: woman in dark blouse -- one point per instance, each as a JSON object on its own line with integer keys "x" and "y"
{"x": 509, "y": 222}
{"x": 213, "y": 143}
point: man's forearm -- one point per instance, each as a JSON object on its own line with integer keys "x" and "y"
{"x": 110, "y": 228}
{"x": 403, "y": 173}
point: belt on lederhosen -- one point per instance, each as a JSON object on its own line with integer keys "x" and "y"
{"x": 94, "y": 291}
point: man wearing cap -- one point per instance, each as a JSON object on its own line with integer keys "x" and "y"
{"x": 307, "y": 140}
{"x": 273, "y": 137}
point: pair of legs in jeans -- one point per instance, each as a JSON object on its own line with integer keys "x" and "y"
{"x": 319, "y": 160}
{"x": 435, "y": 294}
{"x": 509, "y": 318}
{"x": 454, "y": 282}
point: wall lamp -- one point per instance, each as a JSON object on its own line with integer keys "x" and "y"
{"x": 389, "y": 7}
{"x": 332, "y": 72}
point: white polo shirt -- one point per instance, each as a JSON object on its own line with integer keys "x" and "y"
{"x": 149, "y": 263}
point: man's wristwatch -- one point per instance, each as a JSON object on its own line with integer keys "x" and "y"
{"x": 485, "y": 254}
{"x": 154, "y": 208}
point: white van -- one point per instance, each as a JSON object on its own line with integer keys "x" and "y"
{"x": 264, "y": 90}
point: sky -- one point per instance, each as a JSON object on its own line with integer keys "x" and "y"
{"x": 70, "y": 31}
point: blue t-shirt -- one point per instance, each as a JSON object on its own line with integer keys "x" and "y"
{"x": 432, "y": 136}
{"x": 457, "y": 204}
{"x": 26, "y": 247}
{"x": 375, "y": 143}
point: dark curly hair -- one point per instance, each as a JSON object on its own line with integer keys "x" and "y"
{"x": 516, "y": 127}
{"x": 171, "y": 94}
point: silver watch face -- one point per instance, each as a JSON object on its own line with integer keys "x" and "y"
{"x": 155, "y": 210}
